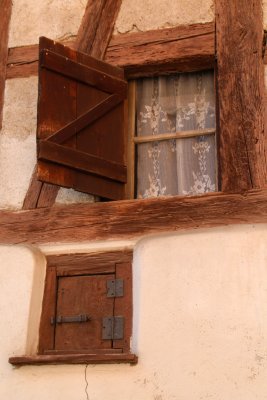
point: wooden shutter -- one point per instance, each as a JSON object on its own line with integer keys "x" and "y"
{"x": 78, "y": 286}
{"x": 81, "y": 120}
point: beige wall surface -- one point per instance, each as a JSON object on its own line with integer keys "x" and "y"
{"x": 200, "y": 323}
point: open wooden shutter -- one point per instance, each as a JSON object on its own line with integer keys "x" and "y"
{"x": 81, "y": 122}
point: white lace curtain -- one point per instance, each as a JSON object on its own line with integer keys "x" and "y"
{"x": 170, "y": 104}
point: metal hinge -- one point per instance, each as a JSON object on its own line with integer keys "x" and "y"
{"x": 112, "y": 328}
{"x": 115, "y": 288}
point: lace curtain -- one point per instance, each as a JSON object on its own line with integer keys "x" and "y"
{"x": 169, "y": 104}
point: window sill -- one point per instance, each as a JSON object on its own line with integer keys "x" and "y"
{"x": 119, "y": 358}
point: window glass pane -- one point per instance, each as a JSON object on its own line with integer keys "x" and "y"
{"x": 172, "y": 104}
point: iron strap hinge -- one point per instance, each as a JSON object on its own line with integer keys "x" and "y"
{"x": 115, "y": 288}
{"x": 112, "y": 328}
{"x": 75, "y": 318}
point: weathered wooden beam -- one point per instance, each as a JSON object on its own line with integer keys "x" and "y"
{"x": 97, "y": 27}
{"x": 184, "y": 48}
{"x": 131, "y": 218}
{"x": 180, "y": 49}
{"x": 5, "y": 7}
{"x": 93, "y": 38}
{"x": 117, "y": 358}
{"x": 240, "y": 83}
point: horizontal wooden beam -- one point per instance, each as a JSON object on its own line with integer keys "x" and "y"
{"x": 74, "y": 359}
{"x": 182, "y": 48}
{"x": 131, "y": 218}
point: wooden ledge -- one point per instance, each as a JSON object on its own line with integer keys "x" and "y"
{"x": 74, "y": 359}
{"x": 131, "y": 218}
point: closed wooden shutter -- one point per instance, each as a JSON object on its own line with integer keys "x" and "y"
{"x": 81, "y": 122}
{"x": 80, "y": 296}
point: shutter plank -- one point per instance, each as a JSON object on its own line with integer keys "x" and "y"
{"x": 81, "y": 161}
{"x": 83, "y": 295}
{"x": 93, "y": 142}
{"x": 92, "y": 22}
{"x": 83, "y": 182}
{"x": 87, "y": 118}
{"x": 80, "y": 72}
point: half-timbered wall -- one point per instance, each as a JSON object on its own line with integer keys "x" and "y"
{"x": 200, "y": 297}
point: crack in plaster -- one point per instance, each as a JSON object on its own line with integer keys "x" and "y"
{"x": 86, "y": 382}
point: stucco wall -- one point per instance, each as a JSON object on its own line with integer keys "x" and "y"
{"x": 200, "y": 323}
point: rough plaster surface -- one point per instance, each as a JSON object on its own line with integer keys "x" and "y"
{"x": 18, "y": 145}
{"x": 17, "y": 140}
{"x": 56, "y": 19}
{"x": 142, "y": 15}
{"x": 200, "y": 323}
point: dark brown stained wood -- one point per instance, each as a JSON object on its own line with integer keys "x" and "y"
{"x": 184, "y": 48}
{"x": 97, "y": 26}
{"x": 180, "y": 49}
{"x": 90, "y": 261}
{"x": 32, "y": 196}
{"x": 5, "y": 7}
{"x": 81, "y": 161}
{"x": 84, "y": 181}
{"x": 131, "y": 218}
{"x": 47, "y": 197}
{"x": 83, "y": 295}
{"x": 93, "y": 23}
{"x": 89, "y": 269}
{"x": 80, "y": 72}
{"x": 46, "y": 337}
{"x": 90, "y": 116}
{"x": 240, "y": 80}
{"x": 75, "y": 359}
{"x": 124, "y": 305}
{"x": 96, "y": 351}
{"x": 91, "y": 156}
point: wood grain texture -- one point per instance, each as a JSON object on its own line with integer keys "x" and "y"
{"x": 240, "y": 81}
{"x": 180, "y": 49}
{"x": 124, "y": 305}
{"x": 105, "y": 28}
{"x": 94, "y": 24}
{"x": 131, "y": 218}
{"x": 184, "y": 48}
{"x": 90, "y": 260}
{"x": 74, "y": 359}
{"x": 5, "y": 7}
{"x": 46, "y": 330}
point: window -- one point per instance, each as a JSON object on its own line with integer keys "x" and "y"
{"x": 87, "y": 308}
{"x": 82, "y": 129}
{"x": 174, "y": 135}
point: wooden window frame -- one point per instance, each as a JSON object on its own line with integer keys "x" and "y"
{"x": 182, "y": 49}
{"x": 89, "y": 264}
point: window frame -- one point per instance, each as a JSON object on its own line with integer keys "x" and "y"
{"x": 104, "y": 264}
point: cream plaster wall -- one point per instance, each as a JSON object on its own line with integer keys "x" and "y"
{"x": 200, "y": 323}
{"x": 140, "y": 15}
{"x": 57, "y": 19}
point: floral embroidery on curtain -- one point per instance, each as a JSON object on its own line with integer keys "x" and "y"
{"x": 169, "y": 104}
